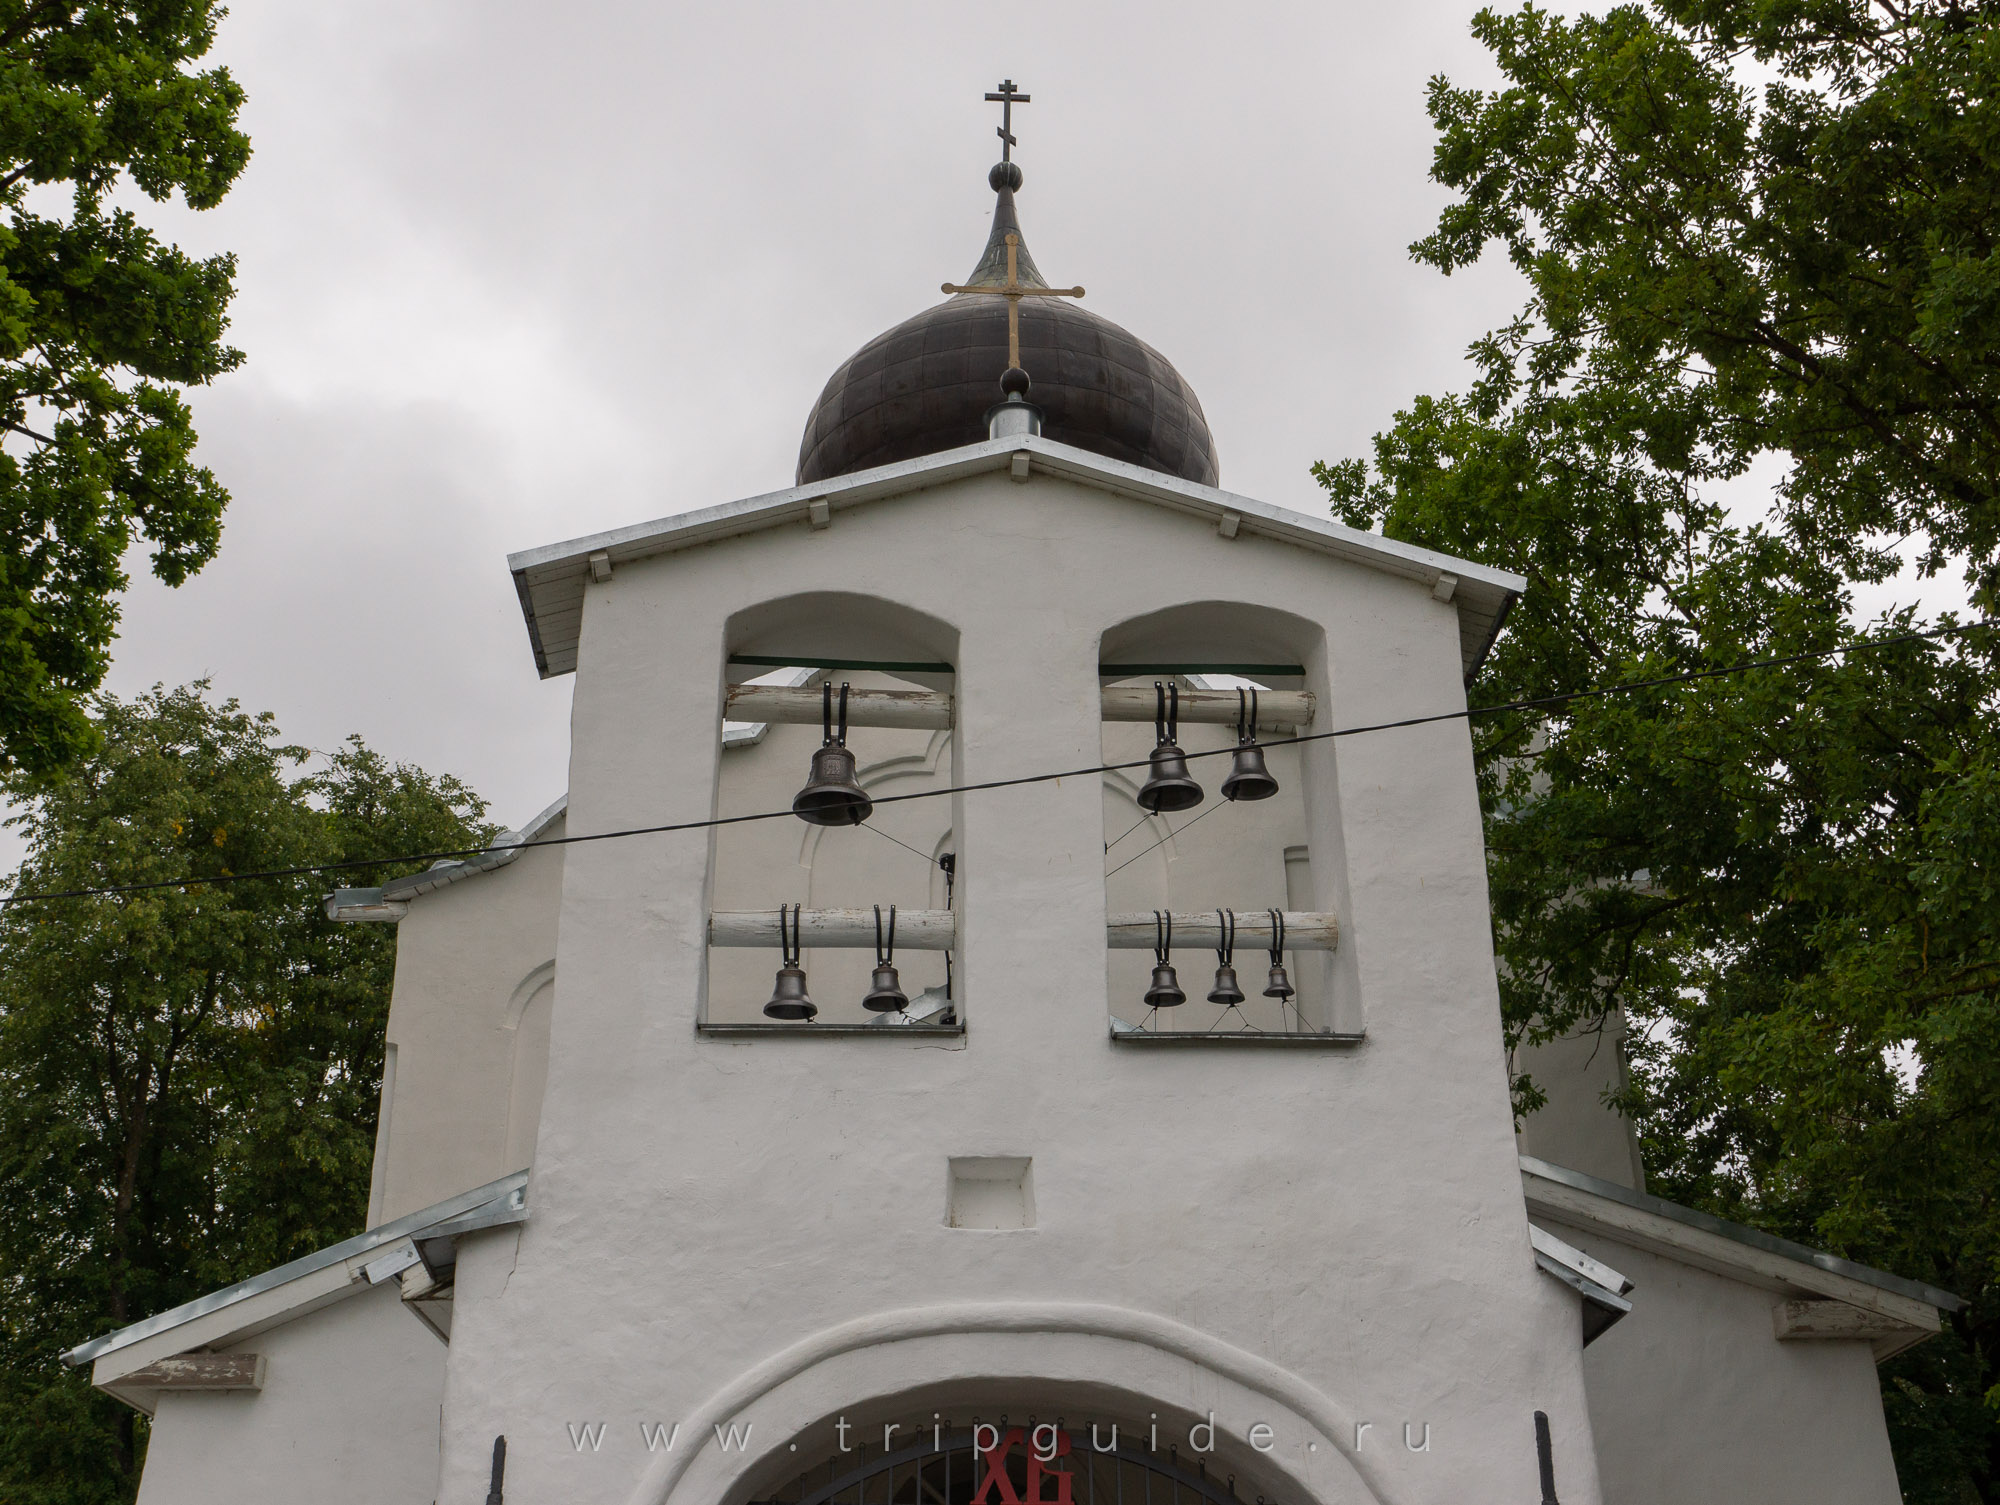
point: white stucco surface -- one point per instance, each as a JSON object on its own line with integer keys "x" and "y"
{"x": 468, "y": 1033}
{"x": 1351, "y": 1222}
{"x": 1693, "y": 1397}
{"x": 348, "y": 1412}
{"x": 1576, "y": 1127}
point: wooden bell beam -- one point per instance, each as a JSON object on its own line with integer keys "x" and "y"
{"x": 936, "y": 930}
{"x": 849, "y": 929}
{"x": 931, "y": 710}
{"x": 1196, "y": 930}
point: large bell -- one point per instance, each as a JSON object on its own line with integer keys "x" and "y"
{"x": 1166, "y": 989}
{"x": 1225, "y": 992}
{"x": 1168, "y": 787}
{"x": 832, "y": 797}
{"x": 788, "y": 998}
{"x": 1248, "y": 778}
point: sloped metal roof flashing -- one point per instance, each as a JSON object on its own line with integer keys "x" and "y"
{"x": 502, "y": 1201}
{"x": 550, "y": 580}
{"x": 1751, "y": 1238}
{"x": 391, "y": 901}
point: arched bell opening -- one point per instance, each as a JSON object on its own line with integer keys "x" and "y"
{"x": 1211, "y": 694}
{"x": 791, "y": 648}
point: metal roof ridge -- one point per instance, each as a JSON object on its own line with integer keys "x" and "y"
{"x": 1752, "y": 1238}
{"x": 408, "y": 1225}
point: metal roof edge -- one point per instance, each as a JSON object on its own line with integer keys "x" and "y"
{"x": 407, "y": 1226}
{"x": 1485, "y": 589}
{"x": 663, "y": 535}
{"x": 506, "y": 848}
{"x": 1751, "y": 1238}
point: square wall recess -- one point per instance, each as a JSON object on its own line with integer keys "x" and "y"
{"x": 990, "y": 1191}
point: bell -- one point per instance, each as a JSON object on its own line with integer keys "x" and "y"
{"x": 831, "y": 796}
{"x": 1248, "y": 778}
{"x": 1166, "y": 989}
{"x": 1225, "y": 992}
{"x": 885, "y": 994}
{"x": 1168, "y": 786}
{"x": 1280, "y": 985}
{"x": 788, "y": 999}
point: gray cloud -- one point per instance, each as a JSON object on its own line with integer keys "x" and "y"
{"x": 511, "y": 273}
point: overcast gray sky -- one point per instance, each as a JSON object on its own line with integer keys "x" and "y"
{"x": 510, "y": 273}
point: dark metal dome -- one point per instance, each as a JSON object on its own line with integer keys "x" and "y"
{"x": 927, "y": 384}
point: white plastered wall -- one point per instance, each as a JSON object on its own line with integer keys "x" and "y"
{"x": 349, "y": 1411}
{"x": 468, "y": 1033}
{"x": 1576, "y": 1127}
{"x": 1693, "y": 1396}
{"x": 1351, "y": 1220}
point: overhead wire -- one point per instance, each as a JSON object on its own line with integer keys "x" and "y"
{"x": 1541, "y": 702}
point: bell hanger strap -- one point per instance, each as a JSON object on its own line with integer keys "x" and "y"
{"x": 829, "y": 736}
{"x": 1167, "y": 716}
{"x": 884, "y": 955}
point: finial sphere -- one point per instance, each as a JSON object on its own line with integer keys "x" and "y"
{"x": 1014, "y": 382}
{"x": 1004, "y": 175}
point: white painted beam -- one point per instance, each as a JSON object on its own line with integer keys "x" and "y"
{"x": 1305, "y": 930}
{"x": 935, "y": 929}
{"x": 927, "y": 710}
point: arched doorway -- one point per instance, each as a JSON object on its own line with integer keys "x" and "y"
{"x": 998, "y": 1463}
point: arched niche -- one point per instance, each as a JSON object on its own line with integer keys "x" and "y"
{"x": 528, "y": 1017}
{"x": 871, "y": 643}
{"x": 1283, "y": 853}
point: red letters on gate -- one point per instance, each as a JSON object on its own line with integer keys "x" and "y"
{"x": 997, "y": 1482}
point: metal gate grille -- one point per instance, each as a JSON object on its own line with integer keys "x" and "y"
{"x": 945, "y": 1468}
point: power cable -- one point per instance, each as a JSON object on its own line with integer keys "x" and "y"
{"x": 1541, "y": 702}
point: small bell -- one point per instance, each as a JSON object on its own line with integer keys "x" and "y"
{"x": 1165, "y": 992}
{"x": 1168, "y": 787}
{"x": 788, "y": 999}
{"x": 885, "y": 993}
{"x": 1166, "y": 989}
{"x": 831, "y": 796}
{"x": 1226, "y": 991}
{"x": 1280, "y": 985}
{"x": 1248, "y": 778}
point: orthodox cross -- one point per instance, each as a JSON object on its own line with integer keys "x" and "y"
{"x": 1014, "y": 290}
{"x": 1007, "y": 98}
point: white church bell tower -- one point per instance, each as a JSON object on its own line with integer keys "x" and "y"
{"x": 1034, "y": 1042}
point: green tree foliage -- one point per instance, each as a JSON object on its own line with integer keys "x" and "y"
{"x": 1760, "y": 355}
{"x": 101, "y": 327}
{"x": 188, "y": 1076}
